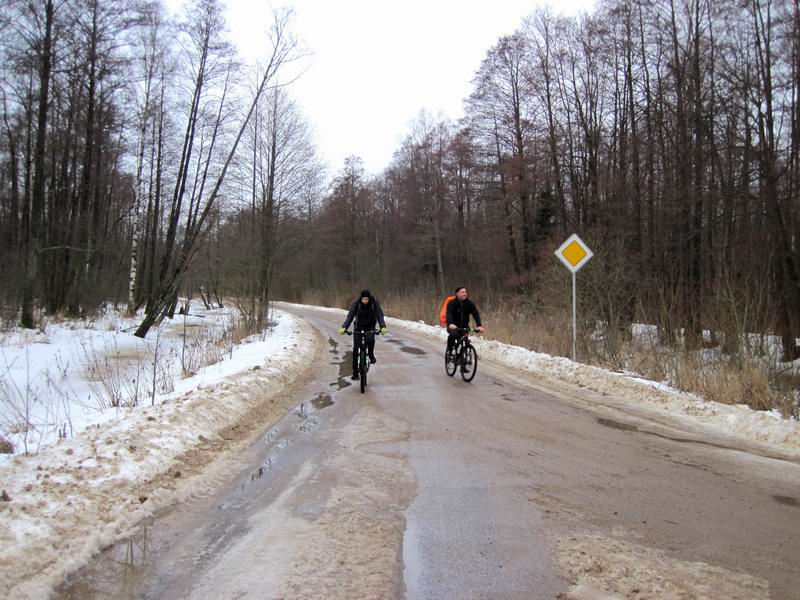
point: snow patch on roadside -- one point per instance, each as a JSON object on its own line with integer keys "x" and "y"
{"x": 690, "y": 410}
{"x": 58, "y": 380}
{"x": 83, "y": 493}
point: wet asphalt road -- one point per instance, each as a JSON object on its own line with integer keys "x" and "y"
{"x": 498, "y": 471}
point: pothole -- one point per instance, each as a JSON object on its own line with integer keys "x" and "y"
{"x": 786, "y": 500}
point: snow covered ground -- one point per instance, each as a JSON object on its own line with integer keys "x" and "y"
{"x": 767, "y": 431}
{"x": 117, "y": 466}
{"x": 68, "y": 375}
{"x": 765, "y": 349}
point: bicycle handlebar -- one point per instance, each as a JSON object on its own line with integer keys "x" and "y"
{"x": 375, "y": 331}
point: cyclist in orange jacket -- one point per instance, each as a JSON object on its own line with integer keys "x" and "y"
{"x": 459, "y": 311}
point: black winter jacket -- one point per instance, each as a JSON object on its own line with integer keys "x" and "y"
{"x": 366, "y": 316}
{"x": 458, "y": 313}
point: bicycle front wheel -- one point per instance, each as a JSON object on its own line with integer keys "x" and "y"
{"x": 469, "y": 363}
{"x": 363, "y": 378}
{"x": 450, "y": 363}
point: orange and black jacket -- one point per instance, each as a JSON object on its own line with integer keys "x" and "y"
{"x": 458, "y": 313}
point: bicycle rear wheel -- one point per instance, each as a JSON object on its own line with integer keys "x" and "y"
{"x": 469, "y": 363}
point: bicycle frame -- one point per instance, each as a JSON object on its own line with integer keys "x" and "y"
{"x": 465, "y": 333}
{"x": 458, "y": 348}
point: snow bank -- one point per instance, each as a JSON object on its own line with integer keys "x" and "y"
{"x": 69, "y": 375}
{"x": 691, "y": 412}
{"x": 83, "y": 493}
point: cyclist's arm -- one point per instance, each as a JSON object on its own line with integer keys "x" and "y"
{"x": 379, "y": 312}
{"x": 476, "y": 315}
{"x": 449, "y": 314}
{"x": 351, "y": 315}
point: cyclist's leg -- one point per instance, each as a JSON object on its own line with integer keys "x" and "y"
{"x": 451, "y": 341}
{"x": 466, "y": 364}
{"x": 371, "y": 347}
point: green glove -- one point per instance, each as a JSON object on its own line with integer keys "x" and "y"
{"x": 383, "y": 330}
{"x": 342, "y": 330}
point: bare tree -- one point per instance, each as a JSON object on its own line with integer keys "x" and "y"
{"x": 33, "y": 217}
{"x": 150, "y": 63}
{"x": 284, "y": 48}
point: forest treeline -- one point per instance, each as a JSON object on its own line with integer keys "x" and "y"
{"x": 123, "y": 152}
{"x": 140, "y": 161}
{"x": 666, "y": 133}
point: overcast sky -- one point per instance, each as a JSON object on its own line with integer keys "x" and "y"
{"x": 376, "y": 64}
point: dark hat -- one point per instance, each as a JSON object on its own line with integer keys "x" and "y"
{"x": 366, "y": 294}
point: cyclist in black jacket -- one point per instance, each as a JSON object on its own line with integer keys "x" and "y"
{"x": 367, "y": 312}
{"x": 459, "y": 311}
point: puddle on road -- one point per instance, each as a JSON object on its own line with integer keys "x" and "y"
{"x": 340, "y": 384}
{"x": 344, "y": 365}
{"x": 786, "y": 500}
{"x": 345, "y": 370}
{"x": 616, "y": 424}
{"x": 412, "y": 350}
{"x": 322, "y": 401}
{"x": 118, "y": 572}
{"x": 404, "y": 348}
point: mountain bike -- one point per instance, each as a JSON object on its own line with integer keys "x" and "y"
{"x": 363, "y": 361}
{"x": 463, "y": 356}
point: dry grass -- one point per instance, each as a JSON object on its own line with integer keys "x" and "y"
{"x": 718, "y": 379}
{"x": 328, "y": 297}
{"x": 237, "y": 331}
{"x": 199, "y": 350}
{"x": 412, "y": 307}
{"x": 729, "y": 383}
{"x": 207, "y": 346}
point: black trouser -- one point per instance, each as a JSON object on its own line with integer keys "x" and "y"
{"x": 370, "y": 335}
{"x": 452, "y": 339}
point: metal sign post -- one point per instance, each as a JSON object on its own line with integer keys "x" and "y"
{"x": 574, "y": 254}
{"x": 574, "y": 316}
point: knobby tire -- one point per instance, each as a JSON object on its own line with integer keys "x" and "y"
{"x": 468, "y": 353}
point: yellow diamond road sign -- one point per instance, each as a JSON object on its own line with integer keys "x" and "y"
{"x": 574, "y": 253}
